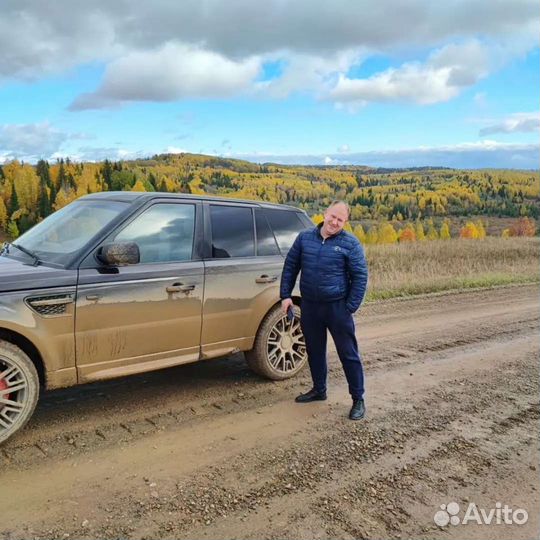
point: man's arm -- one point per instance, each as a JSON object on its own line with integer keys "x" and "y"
{"x": 291, "y": 268}
{"x": 358, "y": 275}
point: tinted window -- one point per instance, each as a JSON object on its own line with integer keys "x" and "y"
{"x": 266, "y": 243}
{"x": 232, "y": 231}
{"x": 164, "y": 233}
{"x": 286, "y": 225}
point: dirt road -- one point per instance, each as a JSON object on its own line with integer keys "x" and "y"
{"x": 211, "y": 451}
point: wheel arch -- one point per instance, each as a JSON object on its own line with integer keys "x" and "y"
{"x": 296, "y": 301}
{"x": 28, "y": 348}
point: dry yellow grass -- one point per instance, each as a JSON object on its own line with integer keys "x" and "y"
{"x": 431, "y": 266}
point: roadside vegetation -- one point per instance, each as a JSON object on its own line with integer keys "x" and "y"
{"x": 440, "y": 265}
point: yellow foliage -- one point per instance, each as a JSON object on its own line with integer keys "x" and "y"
{"x": 432, "y": 233}
{"x": 138, "y": 186}
{"x": 387, "y": 234}
{"x": 445, "y": 231}
{"x": 419, "y": 231}
{"x": 469, "y": 231}
{"x": 3, "y": 214}
{"x": 360, "y": 233}
{"x": 372, "y": 237}
{"x": 26, "y": 184}
{"x": 63, "y": 198}
{"x": 480, "y": 228}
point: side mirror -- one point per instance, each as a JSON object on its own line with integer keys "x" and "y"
{"x": 119, "y": 254}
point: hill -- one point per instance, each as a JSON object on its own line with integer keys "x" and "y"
{"x": 28, "y": 193}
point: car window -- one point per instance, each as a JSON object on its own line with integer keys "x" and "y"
{"x": 232, "y": 231}
{"x": 286, "y": 225}
{"x": 60, "y": 236}
{"x": 266, "y": 243}
{"x": 163, "y": 232}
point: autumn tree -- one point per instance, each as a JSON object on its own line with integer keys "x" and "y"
{"x": 444, "y": 233}
{"x": 360, "y": 233}
{"x": 419, "y": 231}
{"x": 3, "y": 214}
{"x": 407, "y": 234}
{"x": 432, "y": 233}
{"x": 469, "y": 231}
{"x": 387, "y": 234}
{"x": 523, "y": 227}
{"x": 372, "y": 237}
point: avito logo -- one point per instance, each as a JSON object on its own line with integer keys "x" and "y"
{"x": 500, "y": 515}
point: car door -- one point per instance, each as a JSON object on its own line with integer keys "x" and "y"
{"x": 148, "y": 315}
{"x": 242, "y": 274}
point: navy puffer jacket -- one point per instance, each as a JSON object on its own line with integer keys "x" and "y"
{"x": 332, "y": 269}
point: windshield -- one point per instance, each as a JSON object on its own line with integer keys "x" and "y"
{"x": 60, "y": 236}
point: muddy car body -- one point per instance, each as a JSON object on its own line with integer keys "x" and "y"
{"x": 122, "y": 283}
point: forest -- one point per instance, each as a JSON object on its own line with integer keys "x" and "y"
{"x": 387, "y": 205}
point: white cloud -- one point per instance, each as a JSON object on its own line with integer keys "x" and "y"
{"x": 515, "y": 123}
{"x": 173, "y": 72}
{"x": 167, "y": 50}
{"x": 175, "y": 150}
{"x": 446, "y": 72}
{"x": 31, "y": 141}
{"x": 37, "y": 38}
{"x": 307, "y": 72}
{"x": 90, "y": 153}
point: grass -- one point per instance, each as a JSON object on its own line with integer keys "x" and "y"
{"x": 440, "y": 265}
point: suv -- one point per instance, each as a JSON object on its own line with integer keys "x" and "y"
{"x": 117, "y": 283}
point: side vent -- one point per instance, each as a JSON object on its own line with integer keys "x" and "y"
{"x": 50, "y": 305}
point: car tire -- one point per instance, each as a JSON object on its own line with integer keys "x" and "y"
{"x": 19, "y": 389}
{"x": 279, "y": 351}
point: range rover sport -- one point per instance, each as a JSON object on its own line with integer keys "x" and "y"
{"x": 117, "y": 283}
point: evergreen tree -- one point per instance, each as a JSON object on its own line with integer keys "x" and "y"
{"x": 43, "y": 172}
{"x": 106, "y": 172}
{"x": 14, "y": 203}
{"x": 44, "y": 202}
{"x": 62, "y": 177}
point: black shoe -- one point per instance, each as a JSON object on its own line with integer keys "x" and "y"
{"x": 358, "y": 409}
{"x": 312, "y": 395}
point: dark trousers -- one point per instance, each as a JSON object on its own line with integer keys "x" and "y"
{"x": 316, "y": 319}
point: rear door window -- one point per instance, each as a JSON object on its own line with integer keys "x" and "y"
{"x": 286, "y": 225}
{"x": 232, "y": 231}
{"x": 266, "y": 243}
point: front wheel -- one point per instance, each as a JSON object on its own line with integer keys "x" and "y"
{"x": 19, "y": 389}
{"x": 279, "y": 351}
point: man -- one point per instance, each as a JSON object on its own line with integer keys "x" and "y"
{"x": 333, "y": 284}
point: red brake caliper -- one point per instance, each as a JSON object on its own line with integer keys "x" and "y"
{"x": 3, "y": 386}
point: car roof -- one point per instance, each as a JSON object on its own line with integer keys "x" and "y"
{"x": 132, "y": 196}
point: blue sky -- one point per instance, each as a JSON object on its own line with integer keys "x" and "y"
{"x": 381, "y": 83}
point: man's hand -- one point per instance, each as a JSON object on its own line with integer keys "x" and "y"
{"x": 285, "y": 304}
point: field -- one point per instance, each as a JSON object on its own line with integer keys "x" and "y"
{"x": 438, "y": 265}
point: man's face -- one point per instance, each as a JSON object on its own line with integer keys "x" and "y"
{"x": 335, "y": 218}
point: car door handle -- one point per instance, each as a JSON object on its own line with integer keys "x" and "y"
{"x": 265, "y": 279}
{"x": 178, "y": 287}
{"x": 93, "y": 297}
